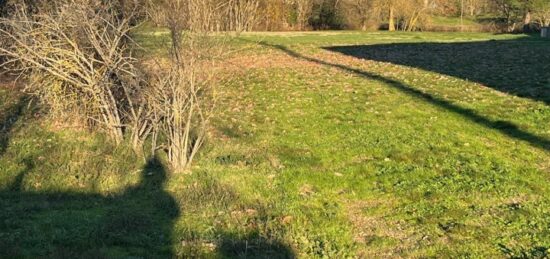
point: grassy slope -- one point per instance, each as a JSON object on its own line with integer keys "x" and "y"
{"x": 342, "y": 158}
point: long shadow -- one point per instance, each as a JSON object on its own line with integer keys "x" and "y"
{"x": 504, "y": 127}
{"x": 137, "y": 222}
{"x": 519, "y": 67}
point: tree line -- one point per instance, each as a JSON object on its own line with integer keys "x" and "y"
{"x": 406, "y": 15}
{"x": 298, "y": 15}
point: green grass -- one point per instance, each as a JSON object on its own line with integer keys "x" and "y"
{"x": 453, "y": 21}
{"x": 326, "y": 144}
{"x": 466, "y": 24}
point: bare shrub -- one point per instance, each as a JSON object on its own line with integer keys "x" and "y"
{"x": 242, "y": 15}
{"x": 76, "y": 57}
{"x": 183, "y": 88}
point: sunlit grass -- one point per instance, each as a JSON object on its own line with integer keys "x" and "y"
{"x": 305, "y": 159}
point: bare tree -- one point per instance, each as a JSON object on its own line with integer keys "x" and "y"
{"x": 411, "y": 12}
{"x": 390, "y": 7}
{"x": 362, "y": 12}
{"x": 274, "y": 15}
{"x": 242, "y": 14}
{"x": 405, "y": 14}
{"x": 303, "y": 12}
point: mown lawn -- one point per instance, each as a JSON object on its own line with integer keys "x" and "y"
{"x": 325, "y": 145}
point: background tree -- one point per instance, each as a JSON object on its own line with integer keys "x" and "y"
{"x": 390, "y": 5}
{"x": 511, "y": 11}
{"x": 411, "y": 13}
{"x": 242, "y": 15}
{"x": 541, "y": 12}
{"x": 361, "y": 13}
{"x": 275, "y": 14}
{"x": 326, "y": 15}
{"x": 303, "y": 9}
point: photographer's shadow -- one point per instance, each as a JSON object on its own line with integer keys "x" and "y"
{"x": 137, "y": 222}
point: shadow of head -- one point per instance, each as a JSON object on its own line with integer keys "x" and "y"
{"x": 66, "y": 224}
{"x": 142, "y": 216}
{"x": 153, "y": 174}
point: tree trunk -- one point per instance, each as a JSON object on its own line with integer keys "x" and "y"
{"x": 527, "y": 21}
{"x": 391, "y": 26}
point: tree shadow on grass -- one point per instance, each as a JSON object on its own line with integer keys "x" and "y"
{"x": 504, "y": 127}
{"x": 519, "y": 67}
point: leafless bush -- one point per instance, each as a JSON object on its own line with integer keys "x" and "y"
{"x": 242, "y": 15}
{"x": 76, "y": 57}
{"x": 182, "y": 98}
{"x": 182, "y": 90}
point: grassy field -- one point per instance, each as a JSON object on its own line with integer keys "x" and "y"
{"x": 325, "y": 145}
